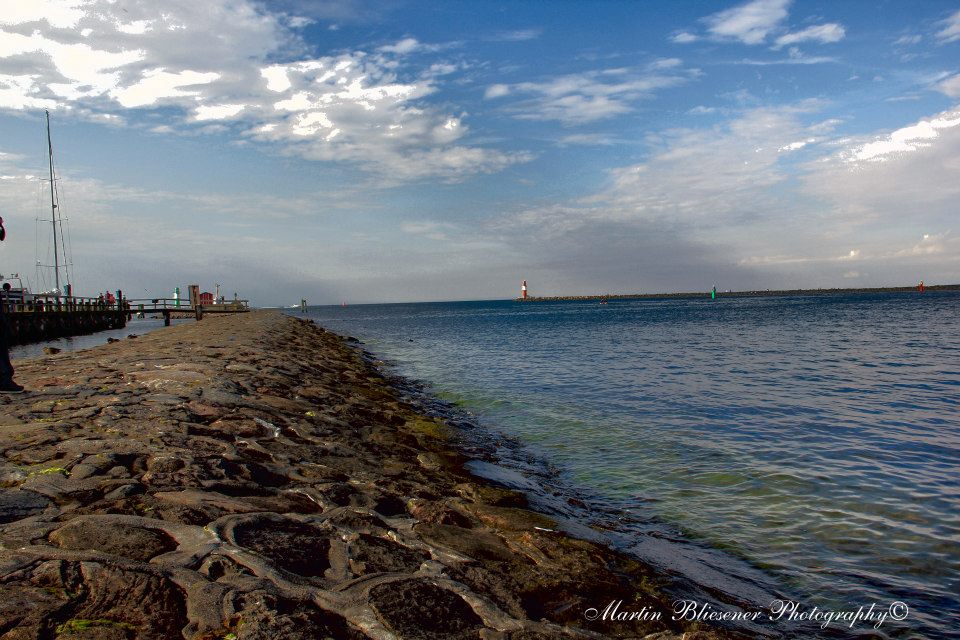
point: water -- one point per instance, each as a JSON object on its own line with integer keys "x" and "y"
{"x": 815, "y": 438}
{"x": 136, "y": 326}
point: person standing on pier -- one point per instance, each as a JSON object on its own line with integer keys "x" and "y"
{"x": 7, "y": 385}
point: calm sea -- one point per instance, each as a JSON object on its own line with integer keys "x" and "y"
{"x": 806, "y": 446}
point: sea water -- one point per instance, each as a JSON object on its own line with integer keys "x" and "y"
{"x": 814, "y": 439}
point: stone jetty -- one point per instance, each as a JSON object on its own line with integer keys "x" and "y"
{"x": 252, "y": 477}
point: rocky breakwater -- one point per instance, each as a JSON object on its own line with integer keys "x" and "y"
{"x": 251, "y": 477}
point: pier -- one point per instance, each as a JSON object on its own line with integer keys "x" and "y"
{"x": 48, "y": 317}
{"x": 167, "y": 307}
{"x": 51, "y": 317}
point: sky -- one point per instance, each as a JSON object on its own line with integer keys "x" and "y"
{"x": 387, "y": 151}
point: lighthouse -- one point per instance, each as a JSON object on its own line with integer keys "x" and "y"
{"x": 523, "y": 290}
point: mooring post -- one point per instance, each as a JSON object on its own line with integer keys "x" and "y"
{"x": 199, "y": 312}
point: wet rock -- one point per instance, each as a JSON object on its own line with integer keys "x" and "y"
{"x": 51, "y": 350}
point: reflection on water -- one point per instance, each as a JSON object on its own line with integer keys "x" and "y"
{"x": 137, "y": 326}
{"x": 816, "y": 437}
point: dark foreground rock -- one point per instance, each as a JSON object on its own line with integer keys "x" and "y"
{"x": 249, "y": 477}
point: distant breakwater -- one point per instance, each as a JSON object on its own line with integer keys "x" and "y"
{"x": 741, "y": 294}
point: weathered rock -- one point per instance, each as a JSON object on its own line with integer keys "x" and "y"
{"x": 120, "y": 539}
{"x": 16, "y": 504}
{"x": 417, "y": 609}
{"x": 291, "y": 545}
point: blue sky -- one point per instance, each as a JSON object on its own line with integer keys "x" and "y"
{"x": 397, "y": 151}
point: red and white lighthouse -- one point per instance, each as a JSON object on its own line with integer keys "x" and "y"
{"x": 523, "y": 290}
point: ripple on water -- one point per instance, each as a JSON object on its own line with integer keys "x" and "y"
{"x": 816, "y": 436}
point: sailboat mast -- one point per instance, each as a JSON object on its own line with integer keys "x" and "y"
{"x": 53, "y": 211}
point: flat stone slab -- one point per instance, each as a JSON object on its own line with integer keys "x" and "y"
{"x": 17, "y": 504}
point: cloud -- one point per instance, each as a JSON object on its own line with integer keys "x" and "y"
{"x": 407, "y": 45}
{"x": 684, "y": 37}
{"x": 590, "y": 96}
{"x": 496, "y": 91}
{"x": 157, "y": 85}
{"x": 907, "y": 139}
{"x": 519, "y": 35}
{"x": 749, "y": 23}
{"x": 753, "y": 23}
{"x": 743, "y": 188}
{"x": 795, "y": 56}
{"x": 823, "y": 33}
{"x": 908, "y": 40}
{"x": 950, "y": 86}
{"x": 254, "y": 79}
{"x": 587, "y": 139}
{"x": 929, "y": 245}
{"x": 951, "y": 29}
{"x": 429, "y": 229}
{"x": 891, "y": 184}
{"x": 709, "y": 175}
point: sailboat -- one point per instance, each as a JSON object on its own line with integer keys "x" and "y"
{"x": 61, "y": 263}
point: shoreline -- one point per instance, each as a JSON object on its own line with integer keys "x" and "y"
{"x": 253, "y": 475}
{"x": 777, "y": 293}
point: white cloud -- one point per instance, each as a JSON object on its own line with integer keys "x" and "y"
{"x": 350, "y": 107}
{"x": 665, "y": 63}
{"x": 905, "y": 41}
{"x": 749, "y": 23}
{"x": 276, "y": 77}
{"x": 519, "y": 35}
{"x": 794, "y": 146}
{"x": 496, "y": 91}
{"x": 62, "y": 15}
{"x": 951, "y": 29}
{"x": 684, "y": 37}
{"x": 709, "y": 175}
{"x": 588, "y": 139}
{"x": 407, "y": 45}
{"x": 915, "y": 187}
{"x": 159, "y": 84}
{"x": 590, "y": 96}
{"x": 950, "y": 86}
{"x": 824, "y": 33}
{"x": 430, "y": 229}
{"x": 907, "y": 139}
{"x": 217, "y": 111}
{"x": 929, "y": 245}
{"x": 19, "y": 92}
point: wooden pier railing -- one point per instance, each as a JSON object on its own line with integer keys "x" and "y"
{"x": 47, "y": 317}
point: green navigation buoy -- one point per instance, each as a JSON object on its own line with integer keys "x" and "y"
{"x": 713, "y": 294}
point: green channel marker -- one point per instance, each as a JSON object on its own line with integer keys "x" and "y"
{"x": 713, "y": 294}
